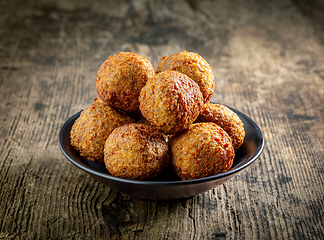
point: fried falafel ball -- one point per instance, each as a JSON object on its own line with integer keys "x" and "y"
{"x": 170, "y": 101}
{"x": 120, "y": 79}
{"x": 195, "y": 67}
{"x": 91, "y": 129}
{"x": 226, "y": 119}
{"x": 146, "y": 122}
{"x": 136, "y": 151}
{"x": 203, "y": 150}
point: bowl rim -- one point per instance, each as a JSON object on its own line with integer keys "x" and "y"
{"x": 231, "y": 171}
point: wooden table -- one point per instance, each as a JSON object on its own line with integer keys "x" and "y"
{"x": 268, "y": 62}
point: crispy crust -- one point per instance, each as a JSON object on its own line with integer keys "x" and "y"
{"x": 120, "y": 79}
{"x": 136, "y": 151}
{"x": 170, "y": 101}
{"x": 90, "y": 131}
{"x": 226, "y": 119}
{"x": 195, "y": 67}
{"x": 204, "y": 149}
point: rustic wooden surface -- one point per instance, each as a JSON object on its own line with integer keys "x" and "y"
{"x": 268, "y": 61}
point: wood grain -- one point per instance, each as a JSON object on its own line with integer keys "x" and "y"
{"x": 268, "y": 60}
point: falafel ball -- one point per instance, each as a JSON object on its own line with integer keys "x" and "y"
{"x": 195, "y": 67}
{"x": 203, "y": 150}
{"x": 136, "y": 151}
{"x": 226, "y": 119}
{"x": 170, "y": 101}
{"x": 91, "y": 129}
{"x": 120, "y": 79}
{"x": 146, "y": 122}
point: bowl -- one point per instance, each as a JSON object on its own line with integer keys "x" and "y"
{"x": 167, "y": 186}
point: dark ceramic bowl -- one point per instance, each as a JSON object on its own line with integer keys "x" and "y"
{"x": 167, "y": 186}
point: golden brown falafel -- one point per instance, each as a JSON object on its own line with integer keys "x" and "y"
{"x": 120, "y": 79}
{"x": 226, "y": 119}
{"x": 136, "y": 151}
{"x": 170, "y": 101}
{"x": 203, "y": 150}
{"x": 195, "y": 67}
{"x": 144, "y": 121}
{"x": 90, "y": 131}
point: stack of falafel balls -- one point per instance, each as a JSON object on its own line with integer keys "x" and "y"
{"x": 145, "y": 119}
